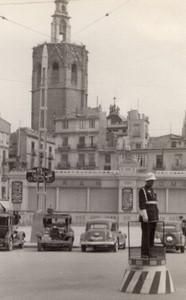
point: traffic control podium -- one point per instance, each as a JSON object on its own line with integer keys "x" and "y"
{"x": 146, "y": 275}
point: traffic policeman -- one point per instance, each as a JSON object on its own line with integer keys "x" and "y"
{"x": 148, "y": 215}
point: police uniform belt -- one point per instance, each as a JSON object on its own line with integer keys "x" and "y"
{"x": 151, "y": 202}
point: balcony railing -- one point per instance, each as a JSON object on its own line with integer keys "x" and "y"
{"x": 86, "y": 146}
{"x": 63, "y": 166}
{"x": 179, "y": 167}
{"x": 50, "y": 156}
{"x": 159, "y": 167}
{"x": 63, "y": 147}
{"x": 83, "y": 165}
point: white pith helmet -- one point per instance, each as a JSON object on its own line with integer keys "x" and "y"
{"x": 150, "y": 176}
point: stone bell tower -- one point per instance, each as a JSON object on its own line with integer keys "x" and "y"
{"x": 67, "y": 71}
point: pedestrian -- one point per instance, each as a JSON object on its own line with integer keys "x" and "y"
{"x": 148, "y": 215}
{"x": 183, "y": 224}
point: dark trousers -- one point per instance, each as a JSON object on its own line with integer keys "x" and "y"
{"x": 147, "y": 240}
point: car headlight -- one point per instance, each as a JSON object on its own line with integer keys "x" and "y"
{"x": 169, "y": 239}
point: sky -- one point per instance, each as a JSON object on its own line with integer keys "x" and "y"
{"x": 137, "y": 53}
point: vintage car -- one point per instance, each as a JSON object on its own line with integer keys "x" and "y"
{"x": 57, "y": 232}
{"x": 9, "y": 235}
{"x": 102, "y": 233}
{"x": 170, "y": 234}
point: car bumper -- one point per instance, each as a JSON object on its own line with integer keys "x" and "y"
{"x": 99, "y": 244}
{"x": 55, "y": 243}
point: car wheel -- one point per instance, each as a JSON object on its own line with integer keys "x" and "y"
{"x": 115, "y": 247}
{"x": 10, "y": 245}
{"x": 124, "y": 246}
{"x": 21, "y": 246}
{"x": 39, "y": 247}
{"x": 70, "y": 246}
{"x": 182, "y": 249}
{"x": 83, "y": 248}
{"x": 177, "y": 248}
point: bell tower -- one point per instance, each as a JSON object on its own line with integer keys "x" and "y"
{"x": 67, "y": 74}
{"x": 60, "y": 27}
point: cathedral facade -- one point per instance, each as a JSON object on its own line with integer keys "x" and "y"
{"x": 66, "y": 72}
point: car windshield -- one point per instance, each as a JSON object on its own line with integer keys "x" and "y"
{"x": 3, "y": 221}
{"x": 55, "y": 221}
{"x": 98, "y": 226}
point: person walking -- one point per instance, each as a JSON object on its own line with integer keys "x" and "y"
{"x": 149, "y": 214}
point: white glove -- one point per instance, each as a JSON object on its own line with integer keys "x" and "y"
{"x": 143, "y": 214}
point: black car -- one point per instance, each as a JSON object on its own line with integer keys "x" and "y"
{"x": 9, "y": 235}
{"x": 57, "y": 232}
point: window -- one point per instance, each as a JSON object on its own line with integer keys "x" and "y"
{"x": 107, "y": 158}
{"x": 55, "y": 72}
{"x": 91, "y": 141}
{"x": 91, "y": 123}
{"x": 178, "y": 159}
{"x": 82, "y": 141}
{"x": 39, "y": 75}
{"x": 50, "y": 149}
{"x": 138, "y": 145}
{"x": 82, "y": 124}
{"x": 3, "y": 190}
{"x": 136, "y": 130}
{"x": 91, "y": 159}
{"x": 173, "y": 144}
{"x": 74, "y": 74}
{"x": 65, "y": 141}
{"x": 82, "y": 159}
{"x": 4, "y": 156}
{"x": 141, "y": 158}
{"x": 159, "y": 161}
{"x": 65, "y": 124}
{"x": 64, "y": 158}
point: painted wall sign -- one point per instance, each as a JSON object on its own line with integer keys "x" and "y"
{"x": 127, "y": 199}
{"x": 17, "y": 192}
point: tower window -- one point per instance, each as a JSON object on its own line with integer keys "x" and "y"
{"x": 74, "y": 74}
{"x": 39, "y": 75}
{"x": 55, "y": 72}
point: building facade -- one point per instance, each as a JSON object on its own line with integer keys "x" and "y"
{"x": 24, "y": 150}
{"x": 67, "y": 71}
{"x": 5, "y": 129}
{"x": 78, "y": 139}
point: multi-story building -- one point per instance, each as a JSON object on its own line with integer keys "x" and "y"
{"x": 67, "y": 71}
{"x": 78, "y": 138}
{"x": 123, "y": 134}
{"x": 24, "y": 150}
{"x": 4, "y": 150}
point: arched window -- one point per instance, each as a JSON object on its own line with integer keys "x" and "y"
{"x": 55, "y": 72}
{"x": 74, "y": 74}
{"x": 38, "y": 74}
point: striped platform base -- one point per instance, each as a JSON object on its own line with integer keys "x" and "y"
{"x": 147, "y": 277}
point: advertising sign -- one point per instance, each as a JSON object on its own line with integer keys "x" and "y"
{"x": 17, "y": 192}
{"x": 127, "y": 199}
{"x": 40, "y": 175}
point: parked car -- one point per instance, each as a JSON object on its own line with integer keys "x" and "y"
{"x": 9, "y": 235}
{"x": 171, "y": 235}
{"x": 57, "y": 232}
{"x": 102, "y": 233}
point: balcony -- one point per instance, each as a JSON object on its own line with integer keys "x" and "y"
{"x": 50, "y": 156}
{"x": 179, "y": 167}
{"x": 33, "y": 152}
{"x": 64, "y": 147}
{"x": 86, "y": 166}
{"x": 159, "y": 167}
{"x": 86, "y": 146}
{"x": 63, "y": 166}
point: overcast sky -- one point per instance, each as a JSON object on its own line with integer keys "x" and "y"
{"x": 137, "y": 54}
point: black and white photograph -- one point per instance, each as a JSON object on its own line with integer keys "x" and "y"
{"x": 92, "y": 149}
